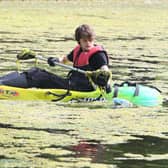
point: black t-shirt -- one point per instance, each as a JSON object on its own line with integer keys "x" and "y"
{"x": 96, "y": 61}
{"x": 78, "y": 80}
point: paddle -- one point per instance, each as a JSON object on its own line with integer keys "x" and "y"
{"x": 62, "y": 65}
{"x": 99, "y": 77}
{"x": 29, "y": 54}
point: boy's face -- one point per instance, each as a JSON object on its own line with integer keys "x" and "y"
{"x": 86, "y": 43}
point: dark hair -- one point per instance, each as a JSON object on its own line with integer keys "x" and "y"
{"x": 84, "y": 31}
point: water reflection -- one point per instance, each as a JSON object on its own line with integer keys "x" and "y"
{"x": 145, "y": 151}
{"x": 145, "y": 148}
{"x": 49, "y": 130}
{"x": 90, "y": 149}
{"x": 165, "y": 102}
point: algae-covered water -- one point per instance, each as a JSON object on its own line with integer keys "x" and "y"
{"x": 52, "y": 134}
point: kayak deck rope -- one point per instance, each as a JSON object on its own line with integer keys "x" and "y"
{"x": 60, "y": 96}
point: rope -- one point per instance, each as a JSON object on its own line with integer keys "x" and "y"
{"x": 60, "y": 96}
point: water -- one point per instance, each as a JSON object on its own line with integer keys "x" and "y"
{"x": 49, "y": 134}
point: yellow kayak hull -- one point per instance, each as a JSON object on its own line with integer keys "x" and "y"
{"x": 143, "y": 96}
{"x": 15, "y": 93}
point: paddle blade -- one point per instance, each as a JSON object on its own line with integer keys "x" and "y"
{"x": 26, "y": 54}
{"x": 100, "y": 77}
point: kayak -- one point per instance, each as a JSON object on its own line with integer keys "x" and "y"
{"x": 137, "y": 94}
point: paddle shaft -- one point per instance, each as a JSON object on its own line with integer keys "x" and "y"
{"x": 62, "y": 65}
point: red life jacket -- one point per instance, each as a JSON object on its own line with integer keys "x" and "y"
{"x": 82, "y": 59}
